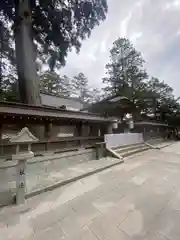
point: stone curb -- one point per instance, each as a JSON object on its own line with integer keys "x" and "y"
{"x": 158, "y": 148}
{"x": 46, "y": 158}
{"x": 166, "y": 145}
{"x": 149, "y": 145}
{"x": 70, "y": 180}
{"x": 113, "y": 153}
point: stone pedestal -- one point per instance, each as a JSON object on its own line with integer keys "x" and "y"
{"x": 20, "y": 182}
{"x": 100, "y": 150}
{"x": 24, "y": 136}
{"x": 21, "y": 177}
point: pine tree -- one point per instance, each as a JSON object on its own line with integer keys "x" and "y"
{"x": 80, "y": 87}
{"x": 125, "y": 72}
{"x": 51, "y": 82}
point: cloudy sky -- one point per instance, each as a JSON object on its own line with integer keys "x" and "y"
{"x": 153, "y": 26}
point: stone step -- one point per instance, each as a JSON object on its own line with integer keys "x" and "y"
{"x": 129, "y": 148}
{"x": 137, "y": 150}
{"x": 155, "y": 140}
{"x": 126, "y": 146}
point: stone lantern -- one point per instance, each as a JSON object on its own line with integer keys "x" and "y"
{"x": 23, "y": 137}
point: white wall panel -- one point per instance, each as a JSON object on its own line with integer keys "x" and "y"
{"x": 117, "y": 140}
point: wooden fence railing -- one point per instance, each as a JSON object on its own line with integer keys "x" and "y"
{"x": 56, "y": 146}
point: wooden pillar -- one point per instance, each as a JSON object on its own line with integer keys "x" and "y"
{"x": 78, "y": 130}
{"x": 1, "y": 132}
{"x": 94, "y": 130}
{"x": 37, "y": 130}
{"x": 85, "y": 130}
{"x": 82, "y": 130}
{"x": 103, "y": 129}
{"x": 110, "y": 128}
{"x": 91, "y": 130}
{"x": 48, "y": 130}
{"x": 144, "y": 133}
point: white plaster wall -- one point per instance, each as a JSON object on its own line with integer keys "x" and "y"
{"x": 117, "y": 140}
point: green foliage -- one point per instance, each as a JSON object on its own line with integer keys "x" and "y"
{"x": 6, "y": 40}
{"x": 80, "y": 87}
{"x": 77, "y": 87}
{"x": 51, "y": 82}
{"x": 126, "y": 76}
{"x": 54, "y": 26}
{"x": 7, "y": 71}
{"x": 58, "y": 25}
{"x": 165, "y": 102}
{"x": 94, "y": 95}
{"x": 10, "y": 90}
{"x": 160, "y": 90}
{"x": 125, "y": 72}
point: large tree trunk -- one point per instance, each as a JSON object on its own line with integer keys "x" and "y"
{"x": 25, "y": 55}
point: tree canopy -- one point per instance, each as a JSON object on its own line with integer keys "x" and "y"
{"x": 78, "y": 86}
{"x": 7, "y": 70}
{"x": 51, "y": 82}
{"x": 127, "y": 76}
{"x": 46, "y": 29}
{"x": 125, "y": 71}
{"x": 58, "y": 25}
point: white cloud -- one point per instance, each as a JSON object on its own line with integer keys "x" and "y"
{"x": 135, "y": 36}
{"x": 172, "y": 5}
{"x": 153, "y": 30}
{"x": 91, "y": 56}
{"x": 103, "y": 47}
{"x": 124, "y": 25}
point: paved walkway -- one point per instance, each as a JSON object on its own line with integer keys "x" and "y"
{"x": 173, "y": 148}
{"x": 161, "y": 143}
{"x": 49, "y": 175}
{"x": 54, "y": 177}
{"x": 139, "y": 199}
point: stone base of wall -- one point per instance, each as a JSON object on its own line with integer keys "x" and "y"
{"x": 40, "y": 172}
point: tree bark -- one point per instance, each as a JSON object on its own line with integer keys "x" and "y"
{"x": 25, "y": 55}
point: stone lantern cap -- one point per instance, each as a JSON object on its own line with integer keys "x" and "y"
{"x": 24, "y": 136}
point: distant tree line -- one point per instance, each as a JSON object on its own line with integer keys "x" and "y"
{"x": 126, "y": 75}
{"x": 77, "y": 87}
{"x": 51, "y": 82}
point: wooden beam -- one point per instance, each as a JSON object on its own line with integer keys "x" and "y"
{"x": 22, "y": 110}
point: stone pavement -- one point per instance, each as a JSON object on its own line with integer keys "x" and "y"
{"x": 53, "y": 177}
{"x": 161, "y": 143}
{"x": 139, "y": 199}
{"x": 174, "y": 148}
{"x": 48, "y": 175}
